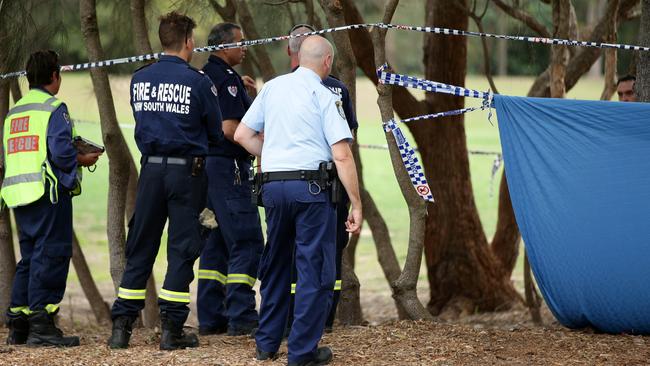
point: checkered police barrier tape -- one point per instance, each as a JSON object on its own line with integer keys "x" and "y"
{"x": 552, "y": 41}
{"x": 261, "y": 41}
{"x": 410, "y": 160}
{"x": 154, "y": 56}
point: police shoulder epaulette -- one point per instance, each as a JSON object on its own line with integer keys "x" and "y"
{"x": 195, "y": 69}
{"x": 329, "y": 89}
{"x": 230, "y": 72}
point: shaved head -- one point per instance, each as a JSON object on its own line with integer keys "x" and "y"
{"x": 316, "y": 53}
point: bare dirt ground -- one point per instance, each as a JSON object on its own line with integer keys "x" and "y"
{"x": 502, "y": 338}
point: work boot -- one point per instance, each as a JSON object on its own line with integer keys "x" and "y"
{"x": 263, "y": 355}
{"x": 240, "y": 330}
{"x": 43, "y": 331}
{"x": 323, "y": 357}
{"x": 121, "y": 334}
{"x": 173, "y": 337}
{"x": 220, "y": 329}
{"x": 18, "y": 325}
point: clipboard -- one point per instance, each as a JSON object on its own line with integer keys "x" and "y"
{"x": 85, "y": 146}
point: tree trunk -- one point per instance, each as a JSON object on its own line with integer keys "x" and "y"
{"x": 405, "y": 287}
{"x": 116, "y": 147}
{"x": 559, "y": 53}
{"x": 502, "y": 50}
{"x": 97, "y": 304}
{"x": 150, "y": 313}
{"x": 643, "y": 65}
{"x": 350, "y": 305}
{"x": 261, "y": 55}
{"x": 7, "y": 254}
{"x": 464, "y": 274}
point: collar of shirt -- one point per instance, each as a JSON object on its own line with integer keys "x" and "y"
{"x": 174, "y": 59}
{"x": 219, "y": 62}
{"x": 309, "y": 73}
{"x": 40, "y": 88}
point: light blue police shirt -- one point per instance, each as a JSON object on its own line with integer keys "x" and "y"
{"x": 301, "y": 120}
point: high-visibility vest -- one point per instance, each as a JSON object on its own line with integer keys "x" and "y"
{"x": 25, "y": 150}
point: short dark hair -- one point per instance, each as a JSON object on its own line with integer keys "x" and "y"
{"x": 222, "y": 33}
{"x": 626, "y": 78}
{"x": 40, "y": 66}
{"x": 296, "y": 42}
{"x": 174, "y": 30}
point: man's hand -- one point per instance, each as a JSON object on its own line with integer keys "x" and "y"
{"x": 355, "y": 219}
{"x": 249, "y": 84}
{"x": 88, "y": 159}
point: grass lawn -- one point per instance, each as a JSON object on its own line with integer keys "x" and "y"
{"x": 90, "y": 207}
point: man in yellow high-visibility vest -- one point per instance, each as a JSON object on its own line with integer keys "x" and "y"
{"x": 42, "y": 173}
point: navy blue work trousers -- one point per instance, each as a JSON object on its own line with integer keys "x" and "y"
{"x": 296, "y": 217}
{"x": 45, "y": 235}
{"x": 342, "y": 239}
{"x": 165, "y": 191}
{"x": 229, "y": 261}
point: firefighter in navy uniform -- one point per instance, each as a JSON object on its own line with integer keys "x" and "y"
{"x": 177, "y": 114}
{"x": 296, "y": 193}
{"x": 342, "y": 236}
{"x": 228, "y": 266}
{"x": 41, "y": 176}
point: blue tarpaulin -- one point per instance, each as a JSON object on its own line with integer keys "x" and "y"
{"x": 579, "y": 178}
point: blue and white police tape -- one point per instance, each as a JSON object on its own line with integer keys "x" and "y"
{"x": 411, "y": 162}
{"x": 552, "y": 41}
{"x": 386, "y": 77}
{"x": 261, "y": 41}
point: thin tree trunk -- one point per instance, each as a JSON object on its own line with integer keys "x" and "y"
{"x": 141, "y": 38}
{"x": 533, "y": 300}
{"x": 643, "y": 66}
{"x": 559, "y": 53}
{"x": 262, "y": 56}
{"x": 116, "y": 147}
{"x": 350, "y": 305}
{"x": 7, "y": 254}
{"x": 586, "y": 56}
{"x": 97, "y": 304}
{"x": 405, "y": 287}
{"x": 16, "y": 94}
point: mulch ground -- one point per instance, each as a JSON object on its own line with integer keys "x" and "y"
{"x": 502, "y": 338}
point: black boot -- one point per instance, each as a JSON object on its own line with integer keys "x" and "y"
{"x": 323, "y": 356}
{"x": 173, "y": 337}
{"x": 18, "y": 325}
{"x": 122, "y": 327}
{"x": 43, "y": 331}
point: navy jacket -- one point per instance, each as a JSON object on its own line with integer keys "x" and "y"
{"x": 233, "y": 101}
{"x": 175, "y": 108}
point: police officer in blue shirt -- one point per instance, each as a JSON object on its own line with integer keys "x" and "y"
{"x": 44, "y": 223}
{"x": 342, "y": 206}
{"x": 177, "y": 114}
{"x": 228, "y": 266}
{"x": 299, "y": 212}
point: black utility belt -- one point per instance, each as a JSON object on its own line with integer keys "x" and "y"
{"x": 197, "y": 162}
{"x": 291, "y": 175}
{"x": 325, "y": 179}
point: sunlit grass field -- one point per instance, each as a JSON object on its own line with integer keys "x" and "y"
{"x": 90, "y": 207}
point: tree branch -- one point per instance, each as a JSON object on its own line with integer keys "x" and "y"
{"x": 405, "y": 104}
{"x": 524, "y": 17}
